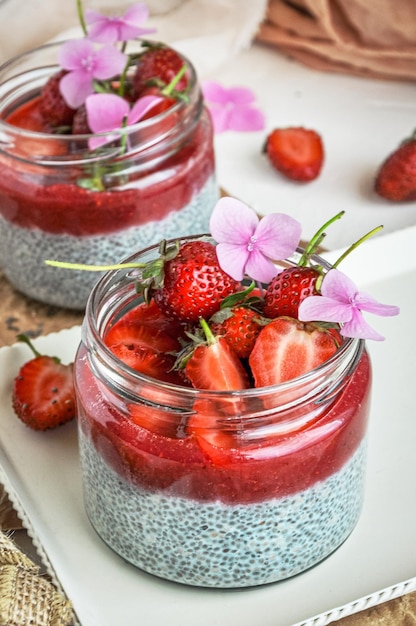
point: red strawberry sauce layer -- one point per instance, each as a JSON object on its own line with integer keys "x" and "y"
{"x": 180, "y": 467}
{"x": 29, "y": 200}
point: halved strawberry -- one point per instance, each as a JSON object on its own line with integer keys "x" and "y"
{"x": 134, "y": 333}
{"x": 215, "y": 365}
{"x": 43, "y": 394}
{"x": 158, "y": 420}
{"x": 148, "y": 362}
{"x": 287, "y": 348}
{"x": 296, "y": 152}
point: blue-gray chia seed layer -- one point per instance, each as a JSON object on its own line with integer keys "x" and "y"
{"x": 23, "y": 251}
{"x": 212, "y": 544}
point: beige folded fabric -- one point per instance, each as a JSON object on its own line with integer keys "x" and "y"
{"x": 371, "y": 38}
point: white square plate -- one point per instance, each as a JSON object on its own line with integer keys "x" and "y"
{"x": 376, "y": 563}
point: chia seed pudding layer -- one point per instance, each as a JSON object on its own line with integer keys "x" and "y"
{"x": 23, "y": 251}
{"x": 212, "y": 544}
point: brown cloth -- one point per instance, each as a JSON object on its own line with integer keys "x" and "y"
{"x": 370, "y": 38}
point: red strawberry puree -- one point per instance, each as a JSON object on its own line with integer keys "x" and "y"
{"x": 178, "y": 507}
{"x": 165, "y": 192}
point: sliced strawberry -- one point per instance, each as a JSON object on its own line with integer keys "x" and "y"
{"x": 215, "y": 365}
{"x": 287, "y": 348}
{"x": 288, "y": 289}
{"x": 134, "y": 333}
{"x": 43, "y": 393}
{"x": 148, "y": 362}
{"x": 149, "y": 314}
{"x": 296, "y": 152}
{"x": 158, "y": 420}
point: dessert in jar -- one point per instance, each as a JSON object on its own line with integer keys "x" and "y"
{"x": 223, "y": 466}
{"x": 64, "y": 196}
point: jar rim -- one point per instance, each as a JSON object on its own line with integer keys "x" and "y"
{"x": 10, "y": 84}
{"x": 348, "y": 353}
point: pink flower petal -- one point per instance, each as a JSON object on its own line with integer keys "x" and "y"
{"x": 72, "y": 54}
{"x": 240, "y": 95}
{"x": 232, "y": 259}
{"x": 245, "y": 119}
{"x": 214, "y": 92}
{"x": 141, "y": 107}
{"x": 109, "y": 62}
{"x": 322, "y": 309}
{"x": 259, "y": 268}
{"x": 358, "y": 327}
{"x": 106, "y": 111}
{"x": 367, "y": 303}
{"x": 338, "y": 286}
{"x": 232, "y": 221}
{"x": 108, "y": 29}
{"x": 75, "y": 87}
{"x": 219, "y": 117}
{"x": 278, "y": 235}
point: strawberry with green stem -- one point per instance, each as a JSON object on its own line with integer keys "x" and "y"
{"x": 292, "y": 285}
{"x": 43, "y": 395}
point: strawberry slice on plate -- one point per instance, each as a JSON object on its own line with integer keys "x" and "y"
{"x": 295, "y": 152}
{"x": 43, "y": 394}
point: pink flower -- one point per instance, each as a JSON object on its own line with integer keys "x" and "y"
{"x": 84, "y": 64}
{"x": 247, "y": 244}
{"x": 342, "y": 302}
{"x": 232, "y": 108}
{"x": 107, "y": 112}
{"x": 105, "y": 29}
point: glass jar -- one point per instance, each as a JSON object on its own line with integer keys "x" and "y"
{"x": 282, "y": 493}
{"x": 162, "y": 186}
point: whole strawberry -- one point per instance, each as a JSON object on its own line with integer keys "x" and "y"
{"x": 43, "y": 393}
{"x": 239, "y": 326}
{"x": 396, "y": 178}
{"x": 52, "y": 105}
{"x": 288, "y": 289}
{"x": 296, "y": 152}
{"x": 158, "y": 66}
{"x": 192, "y": 284}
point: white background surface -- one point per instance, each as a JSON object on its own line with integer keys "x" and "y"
{"x": 381, "y": 552}
{"x": 361, "y": 122}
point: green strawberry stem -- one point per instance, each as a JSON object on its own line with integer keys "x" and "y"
{"x": 93, "y": 268}
{"x": 316, "y": 240}
{"x": 81, "y": 18}
{"x": 25, "y": 339}
{"x": 210, "y": 337}
{"x": 356, "y": 244}
{"x": 175, "y": 80}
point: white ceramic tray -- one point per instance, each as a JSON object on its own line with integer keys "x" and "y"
{"x": 361, "y": 122}
{"x": 376, "y": 563}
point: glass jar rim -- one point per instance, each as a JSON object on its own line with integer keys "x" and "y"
{"x": 349, "y": 352}
{"x": 141, "y": 125}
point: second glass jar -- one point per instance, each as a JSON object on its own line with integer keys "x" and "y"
{"x": 162, "y": 186}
